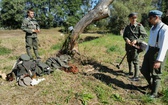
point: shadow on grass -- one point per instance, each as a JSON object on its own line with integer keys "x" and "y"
{"x": 88, "y": 38}
{"x": 102, "y": 68}
{"x": 109, "y": 80}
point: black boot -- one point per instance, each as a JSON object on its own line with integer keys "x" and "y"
{"x": 136, "y": 67}
{"x": 130, "y": 69}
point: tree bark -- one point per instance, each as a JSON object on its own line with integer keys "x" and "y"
{"x": 99, "y": 12}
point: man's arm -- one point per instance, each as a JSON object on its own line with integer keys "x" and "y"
{"x": 163, "y": 50}
{"x": 25, "y": 27}
{"x": 143, "y": 33}
{"x": 163, "y": 46}
{"x": 125, "y": 35}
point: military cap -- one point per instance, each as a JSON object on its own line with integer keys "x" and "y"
{"x": 133, "y": 14}
{"x": 25, "y": 57}
{"x": 155, "y": 13}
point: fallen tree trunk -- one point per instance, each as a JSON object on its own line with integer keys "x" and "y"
{"x": 101, "y": 11}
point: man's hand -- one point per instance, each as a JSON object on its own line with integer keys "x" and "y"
{"x": 134, "y": 42}
{"x": 36, "y": 31}
{"x": 128, "y": 41}
{"x": 157, "y": 64}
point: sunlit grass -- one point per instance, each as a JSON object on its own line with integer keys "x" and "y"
{"x": 4, "y": 51}
{"x": 61, "y": 88}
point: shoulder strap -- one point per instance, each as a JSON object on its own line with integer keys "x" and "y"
{"x": 157, "y": 39}
{"x": 132, "y": 32}
{"x": 31, "y": 23}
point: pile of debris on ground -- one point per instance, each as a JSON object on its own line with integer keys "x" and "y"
{"x": 26, "y": 71}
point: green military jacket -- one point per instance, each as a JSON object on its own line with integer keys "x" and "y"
{"x": 134, "y": 32}
{"x": 28, "y": 25}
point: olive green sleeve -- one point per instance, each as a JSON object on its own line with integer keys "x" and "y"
{"x": 38, "y": 26}
{"x": 143, "y": 33}
{"x": 24, "y": 26}
{"x": 125, "y": 34}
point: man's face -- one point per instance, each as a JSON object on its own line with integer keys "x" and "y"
{"x": 152, "y": 20}
{"x": 133, "y": 19}
{"x": 31, "y": 14}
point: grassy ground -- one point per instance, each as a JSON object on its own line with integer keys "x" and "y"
{"x": 99, "y": 82}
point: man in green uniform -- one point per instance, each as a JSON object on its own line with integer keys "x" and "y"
{"x": 31, "y": 27}
{"x": 132, "y": 34}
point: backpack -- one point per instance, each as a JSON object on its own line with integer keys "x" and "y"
{"x": 62, "y": 62}
{"x": 24, "y": 70}
{"x": 58, "y": 62}
{"x": 43, "y": 68}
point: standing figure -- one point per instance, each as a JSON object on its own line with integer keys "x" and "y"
{"x": 31, "y": 27}
{"x": 133, "y": 34}
{"x": 154, "y": 58}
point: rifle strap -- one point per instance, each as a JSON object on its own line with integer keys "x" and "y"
{"x": 133, "y": 32}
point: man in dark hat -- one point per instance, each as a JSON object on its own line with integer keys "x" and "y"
{"x": 133, "y": 33}
{"x": 154, "y": 58}
{"x": 31, "y": 27}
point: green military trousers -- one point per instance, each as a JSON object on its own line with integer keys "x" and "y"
{"x": 32, "y": 42}
{"x": 133, "y": 59}
{"x": 153, "y": 76}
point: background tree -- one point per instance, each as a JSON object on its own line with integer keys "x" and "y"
{"x": 65, "y": 13}
{"x": 72, "y": 12}
{"x": 101, "y": 11}
{"x": 121, "y": 9}
{"x": 42, "y": 10}
{"x": 164, "y": 8}
{"x": 11, "y": 13}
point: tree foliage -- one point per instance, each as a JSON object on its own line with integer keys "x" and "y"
{"x": 164, "y": 8}
{"x": 56, "y": 13}
{"x": 49, "y": 13}
{"x": 121, "y": 9}
{"x": 11, "y": 13}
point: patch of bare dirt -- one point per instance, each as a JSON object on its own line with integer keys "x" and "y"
{"x": 11, "y": 33}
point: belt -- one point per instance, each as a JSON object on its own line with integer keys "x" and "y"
{"x": 152, "y": 47}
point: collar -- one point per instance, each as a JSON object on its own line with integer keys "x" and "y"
{"x": 30, "y": 19}
{"x": 135, "y": 24}
{"x": 159, "y": 24}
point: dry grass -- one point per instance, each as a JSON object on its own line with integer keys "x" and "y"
{"x": 99, "y": 82}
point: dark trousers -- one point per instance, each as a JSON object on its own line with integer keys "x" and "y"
{"x": 153, "y": 76}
